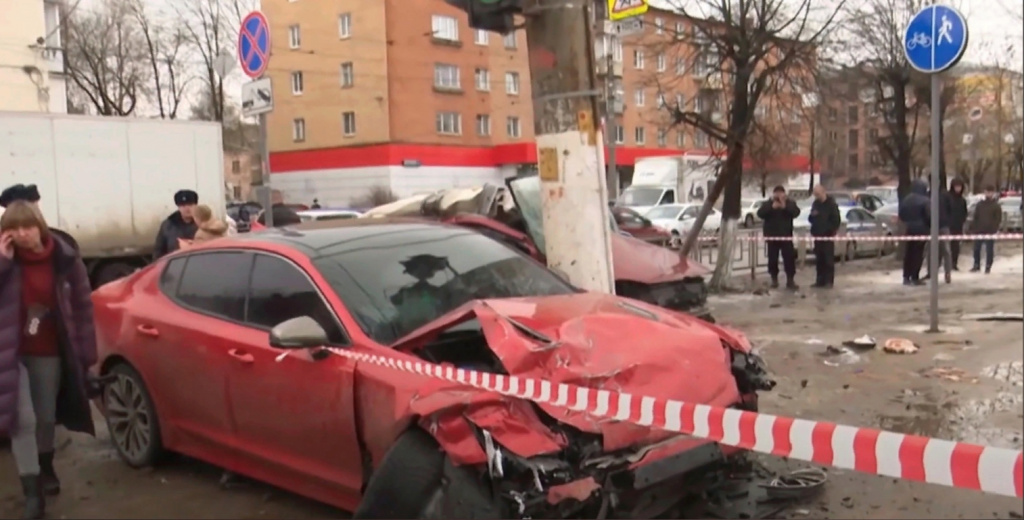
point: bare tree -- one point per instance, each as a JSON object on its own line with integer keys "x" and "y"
{"x": 743, "y": 52}
{"x": 767, "y": 145}
{"x": 210, "y": 29}
{"x": 164, "y": 50}
{"x": 104, "y": 57}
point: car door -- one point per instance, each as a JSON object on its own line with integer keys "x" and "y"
{"x": 294, "y": 416}
{"x": 685, "y": 219}
{"x": 188, "y": 339}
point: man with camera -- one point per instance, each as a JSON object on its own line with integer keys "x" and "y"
{"x": 777, "y": 214}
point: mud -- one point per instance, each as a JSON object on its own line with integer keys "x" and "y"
{"x": 964, "y": 384}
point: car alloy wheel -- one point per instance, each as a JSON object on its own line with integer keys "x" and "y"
{"x": 130, "y": 418}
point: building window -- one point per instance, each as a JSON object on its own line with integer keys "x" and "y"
{"x": 512, "y": 83}
{"x": 510, "y": 40}
{"x": 620, "y": 134}
{"x": 348, "y": 123}
{"x": 639, "y": 98}
{"x": 873, "y": 134}
{"x": 852, "y": 114}
{"x": 294, "y": 37}
{"x": 853, "y": 139}
{"x": 345, "y": 25}
{"x": 236, "y": 166}
{"x": 680, "y": 139}
{"x": 482, "y": 79}
{"x": 639, "y": 135}
{"x": 512, "y": 127}
{"x": 681, "y": 102}
{"x": 638, "y": 59}
{"x": 680, "y": 30}
{"x": 872, "y": 109}
{"x": 700, "y": 139}
{"x": 662, "y": 137}
{"x": 446, "y": 76}
{"x": 853, "y": 161}
{"x": 298, "y": 130}
{"x": 297, "y": 83}
{"x": 617, "y": 51}
{"x": 659, "y": 26}
{"x": 444, "y": 28}
{"x": 449, "y": 123}
{"x": 662, "y": 63}
{"x": 832, "y": 113}
{"x": 483, "y": 125}
{"x": 680, "y": 66}
{"x": 348, "y": 74}
{"x": 481, "y": 37}
{"x": 661, "y": 100}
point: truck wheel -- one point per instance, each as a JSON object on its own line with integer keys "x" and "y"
{"x": 113, "y": 271}
{"x": 417, "y": 480}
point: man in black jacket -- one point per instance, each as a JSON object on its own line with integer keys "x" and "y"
{"x": 282, "y": 215}
{"x": 30, "y": 193}
{"x": 957, "y": 218}
{"x": 825, "y": 223}
{"x": 916, "y": 217}
{"x": 178, "y": 225}
{"x": 777, "y": 214}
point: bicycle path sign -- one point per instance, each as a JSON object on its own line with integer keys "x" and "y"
{"x": 254, "y": 44}
{"x": 935, "y": 39}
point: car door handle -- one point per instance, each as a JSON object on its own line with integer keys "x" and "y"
{"x": 148, "y": 330}
{"x": 241, "y": 355}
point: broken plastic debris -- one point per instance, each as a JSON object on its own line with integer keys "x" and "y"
{"x": 955, "y": 375}
{"x": 840, "y": 356}
{"x": 900, "y": 346}
{"x": 864, "y": 342}
{"x": 814, "y": 341}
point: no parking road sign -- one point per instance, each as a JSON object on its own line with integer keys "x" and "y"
{"x": 935, "y": 39}
{"x": 254, "y": 44}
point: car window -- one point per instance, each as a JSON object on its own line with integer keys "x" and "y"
{"x": 392, "y": 286}
{"x": 669, "y": 198}
{"x": 690, "y": 212}
{"x": 279, "y": 291}
{"x": 216, "y": 283}
{"x": 171, "y": 277}
{"x": 853, "y": 216}
{"x": 867, "y": 216}
{"x": 661, "y": 212}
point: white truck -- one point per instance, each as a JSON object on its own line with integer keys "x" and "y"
{"x": 675, "y": 179}
{"x": 110, "y": 182}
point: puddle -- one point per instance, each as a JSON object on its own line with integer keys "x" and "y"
{"x": 968, "y": 421}
{"x": 1011, "y": 372}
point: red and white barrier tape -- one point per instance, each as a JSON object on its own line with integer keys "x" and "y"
{"x": 970, "y": 466}
{"x": 874, "y": 238}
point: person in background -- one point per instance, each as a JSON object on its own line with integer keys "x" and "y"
{"x": 988, "y": 217}
{"x": 945, "y": 257}
{"x": 208, "y": 226}
{"x": 957, "y": 218}
{"x": 30, "y": 193}
{"x": 283, "y": 215}
{"x": 179, "y": 226}
{"x": 47, "y": 344}
{"x": 916, "y": 217}
{"x": 316, "y": 204}
{"x": 825, "y": 223}
{"x": 777, "y": 215}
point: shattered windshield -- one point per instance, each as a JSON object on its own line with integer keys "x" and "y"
{"x": 637, "y": 196}
{"x": 394, "y": 283}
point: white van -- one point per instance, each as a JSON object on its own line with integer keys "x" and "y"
{"x": 679, "y": 179}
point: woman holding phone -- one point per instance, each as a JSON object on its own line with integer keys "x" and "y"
{"x": 47, "y": 344}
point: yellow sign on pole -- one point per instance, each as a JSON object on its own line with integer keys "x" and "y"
{"x": 622, "y": 9}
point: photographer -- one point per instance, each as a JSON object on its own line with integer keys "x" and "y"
{"x": 777, "y": 214}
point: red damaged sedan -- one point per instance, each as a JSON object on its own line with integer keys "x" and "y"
{"x": 218, "y": 352}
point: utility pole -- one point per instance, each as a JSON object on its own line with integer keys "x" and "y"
{"x": 611, "y": 117}
{"x": 570, "y": 153}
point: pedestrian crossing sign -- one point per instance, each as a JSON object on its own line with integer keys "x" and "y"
{"x": 622, "y": 9}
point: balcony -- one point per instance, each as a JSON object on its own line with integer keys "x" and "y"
{"x": 606, "y": 67}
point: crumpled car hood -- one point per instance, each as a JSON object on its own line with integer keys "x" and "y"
{"x": 597, "y": 341}
{"x": 639, "y": 261}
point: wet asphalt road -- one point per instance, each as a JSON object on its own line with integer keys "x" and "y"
{"x": 964, "y": 384}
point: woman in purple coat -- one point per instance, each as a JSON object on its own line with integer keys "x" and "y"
{"x": 47, "y": 343}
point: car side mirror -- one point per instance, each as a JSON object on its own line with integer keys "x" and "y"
{"x": 298, "y": 333}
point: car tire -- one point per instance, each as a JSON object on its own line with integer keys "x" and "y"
{"x": 416, "y": 479}
{"x": 748, "y": 222}
{"x": 113, "y": 271}
{"x": 131, "y": 418}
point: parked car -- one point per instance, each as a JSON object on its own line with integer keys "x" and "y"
{"x": 887, "y": 194}
{"x": 218, "y": 352}
{"x": 679, "y": 218}
{"x": 243, "y": 213}
{"x": 748, "y": 209}
{"x": 639, "y": 226}
{"x": 856, "y": 225}
{"x": 328, "y": 214}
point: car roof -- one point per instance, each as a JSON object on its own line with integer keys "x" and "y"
{"x": 320, "y": 237}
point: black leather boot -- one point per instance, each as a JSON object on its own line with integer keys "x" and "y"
{"x": 47, "y": 475}
{"x": 35, "y": 504}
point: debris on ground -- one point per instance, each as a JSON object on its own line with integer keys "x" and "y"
{"x": 864, "y": 342}
{"x": 942, "y": 356}
{"x": 814, "y": 341}
{"x": 994, "y": 316}
{"x": 955, "y": 375}
{"x": 900, "y": 346}
{"x": 840, "y": 356}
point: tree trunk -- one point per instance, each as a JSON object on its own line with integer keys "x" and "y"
{"x": 730, "y": 220}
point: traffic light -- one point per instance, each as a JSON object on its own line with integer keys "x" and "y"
{"x": 490, "y": 15}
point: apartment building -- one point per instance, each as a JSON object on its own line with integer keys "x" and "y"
{"x": 31, "y": 60}
{"x": 405, "y": 95}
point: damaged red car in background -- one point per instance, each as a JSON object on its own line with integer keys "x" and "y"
{"x": 221, "y": 352}
{"x": 512, "y": 215}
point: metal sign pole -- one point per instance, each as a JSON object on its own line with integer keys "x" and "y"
{"x": 268, "y": 215}
{"x": 936, "y": 192}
